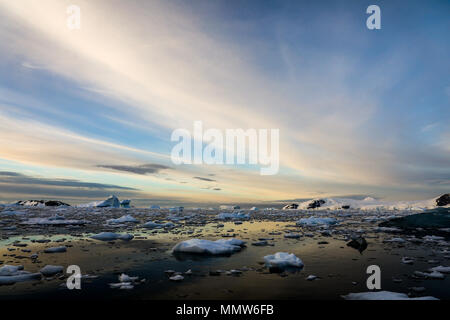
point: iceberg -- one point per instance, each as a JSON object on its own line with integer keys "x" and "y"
{"x": 125, "y": 203}
{"x": 208, "y": 247}
{"x": 111, "y": 202}
{"x": 282, "y": 260}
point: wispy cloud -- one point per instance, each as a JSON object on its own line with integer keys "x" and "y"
{"x": 204, "y": 179}
{"x": 7, "y": 177}
{"x": 137, "y": 169}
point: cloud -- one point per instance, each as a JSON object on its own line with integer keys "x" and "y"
{"x": 324, "y": 98}
{"x": 137, "y": 169}
{"x": 204, "y": 179}
{"x": 14, "y": 178}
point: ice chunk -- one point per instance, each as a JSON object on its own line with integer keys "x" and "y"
{"x": 283, "y": 260}
{"x": 200, "y": 246}
{"x": 233, "y": 216}
{"x": 154, "y": 225}
{"x": 122, "y": 219}
{"x": 50, "y": 221}
{"x": 382, "y": 295}
{"x": 109, "y": 236}
{"x": 313, "y": 221}
{"x": 441, "y": 269}
{"x": 11, "y": 274}
{"x": 50, "y": 270}
{"x": 56, "y": 249}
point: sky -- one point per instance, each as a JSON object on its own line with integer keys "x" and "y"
{"x": 89, "y": 112}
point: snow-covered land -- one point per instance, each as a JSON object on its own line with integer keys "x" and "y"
{"x": 371, "y": 204}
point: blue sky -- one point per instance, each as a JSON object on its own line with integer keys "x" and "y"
{"x": 359, "y": 111}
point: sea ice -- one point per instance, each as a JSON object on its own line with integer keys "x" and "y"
{"x": 313, "y": 221}
{"x": 201, "y": 246}
{"x": 109, "y": 236}
{"x": 283, "y": 260}
{"x": 123, "y": 219}
{"x": 56, "y": 249}
{"x": 382, "y": 295}
{"x": 441, "y": 269}
{"x": 233, "y": 216}
{"x": 50, "y": 270}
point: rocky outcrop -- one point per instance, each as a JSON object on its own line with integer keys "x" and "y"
{"x": 290, "y": 206}
{"x": 316, "y": 204}
{"x": 42, "y": 203}
{"x": 443, "y": 200}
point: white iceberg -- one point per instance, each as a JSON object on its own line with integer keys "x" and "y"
{"x": 111, "y": 202}
{"x": 382, "y": 295}
{"x": 283, "y": 260}
{"x": 200, "y": 246}
{"x": 109, "y": 236}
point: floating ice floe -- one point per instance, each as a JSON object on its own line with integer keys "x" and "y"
{"x": 109, "y": 236}
{"x": 177, "y": 278}
{"x": 430, "y": 275}
{"x": 126, "y": 282}
{"x": 226, "y": 207}
{"x": 441, "y": 269}
{"x": 12, "y": 213}
{"x": 154, "y": 225}
{"x": 111, "y": 202}
{"x": 292, "y": 235}
{"x": 201, "y": 246}
{"x": 123, "y": 219}
{"x": 398, "y": 240}
{"x": 313, "y": 221}
{"x": 233, "y": 216}
{"x": 11, "y": 274}
{"x": 382, "y": 295}
{"x": 155, "y": 207}
{"x": 56, "y": 249}
{"x": 283, "y": 260}
{"x": 50, "y": 270}
{"x": 50, "y": 221}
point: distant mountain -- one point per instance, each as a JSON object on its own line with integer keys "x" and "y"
{"x": 373, "y": 204}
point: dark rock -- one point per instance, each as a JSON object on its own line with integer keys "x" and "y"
{"x": 359, "y": 244}
{"x": 316, "y": 204}
{"x": 290, "y": 206}
{"x": 346, "y": 207}
{"x": 443, "y": 200}
{"x": 47, "y": 203}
